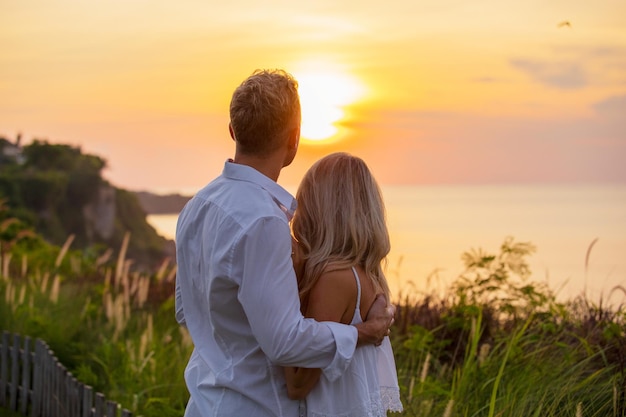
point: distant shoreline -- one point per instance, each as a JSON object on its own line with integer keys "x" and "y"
{"x": 161, "y": 204}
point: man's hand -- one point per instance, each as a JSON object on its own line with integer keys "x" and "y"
{"x": 377, "y": 323}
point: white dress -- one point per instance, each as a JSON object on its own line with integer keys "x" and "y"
{"x": 368, "y": 388}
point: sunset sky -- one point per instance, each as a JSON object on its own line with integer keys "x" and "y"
{"x": 427, "y": 92}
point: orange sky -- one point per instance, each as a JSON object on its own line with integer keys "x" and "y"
{"x": 451, "y": 91}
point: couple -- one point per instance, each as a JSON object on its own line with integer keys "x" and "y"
{"x": 244, "y": 285}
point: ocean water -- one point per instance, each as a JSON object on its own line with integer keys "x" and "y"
{"x": 431, "y": 226}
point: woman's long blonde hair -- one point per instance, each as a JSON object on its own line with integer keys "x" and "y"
{"x": 340, "y": 221}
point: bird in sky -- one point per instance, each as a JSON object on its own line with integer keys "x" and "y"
{"x": 564, "y": 23}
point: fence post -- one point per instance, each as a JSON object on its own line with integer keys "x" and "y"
{"x": 15, "y": 368}
{"x": 87, "y": 401}
{"x": 4, "y": 368}
{"x": 35, "y": 410}
{"x": 26, "y": 373}
{"x": 73, "y": 406}
{"x": 99, "y": 405}
{"x": 111, "y": 409}
{"x": 48, "y": 385}
{"x": 61, "y": 392}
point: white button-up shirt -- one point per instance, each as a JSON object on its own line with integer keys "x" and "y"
{"x": 237, "y": 294}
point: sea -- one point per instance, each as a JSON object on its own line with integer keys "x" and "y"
{"x": 579, "y": 232}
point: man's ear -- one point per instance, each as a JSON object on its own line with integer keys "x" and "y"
{"x": 231, "y": 131}
{"x": 294, "y": 138}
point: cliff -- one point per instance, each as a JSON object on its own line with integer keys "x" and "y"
{"x": 59, "y": 191}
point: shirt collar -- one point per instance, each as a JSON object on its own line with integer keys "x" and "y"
{"x": 282, "y": 197}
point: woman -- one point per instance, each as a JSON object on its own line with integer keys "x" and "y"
{"x": 340, "y": 241}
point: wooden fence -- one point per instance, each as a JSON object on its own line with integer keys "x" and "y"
{"x": 34, "y": 384}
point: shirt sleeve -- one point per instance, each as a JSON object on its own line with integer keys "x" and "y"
{"x": 178, "y": 302}
{"x": 269, "y": 295}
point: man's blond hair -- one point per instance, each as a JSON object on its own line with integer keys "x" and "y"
{"x": 264, "y": 110}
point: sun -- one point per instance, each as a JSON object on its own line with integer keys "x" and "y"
{"x": 323, "y": 98}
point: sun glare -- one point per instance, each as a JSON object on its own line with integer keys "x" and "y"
{"x": 323, "y": 98}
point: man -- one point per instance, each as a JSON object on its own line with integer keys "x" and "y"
{"x": 236, "y": 290}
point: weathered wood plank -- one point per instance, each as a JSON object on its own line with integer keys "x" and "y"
{"x": 111, "y": 409}
{"x": 100, "y": 402}
{"x": 15, "y": 369}
{"x": 87, "y": 401}
{"x": 26, "y": 376}
{"x": 59, "y": 382}
{"x": 4, "y": 368}
{"x": 48, "y": 409}
{"x": 73, "y": 405}
{"x": 35, "y": 410}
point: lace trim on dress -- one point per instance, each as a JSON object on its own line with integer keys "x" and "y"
{"x": 375, "y": 409}
{"x": 389, "y": 400}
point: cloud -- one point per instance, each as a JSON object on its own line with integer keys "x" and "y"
{"x": 562, "y": 75}
{"x": 576, "y": 66}
{"x": 613, "y": 107}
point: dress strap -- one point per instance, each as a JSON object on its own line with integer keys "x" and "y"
{"x": 357, "y": 310}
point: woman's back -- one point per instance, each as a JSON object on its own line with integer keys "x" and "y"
{"x": 358, "y": 392}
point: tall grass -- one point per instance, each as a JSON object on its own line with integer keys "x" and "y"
{"x": 498, "y": 345}
{"x": 113, "y": 328}
{"x": 494, "y": 344}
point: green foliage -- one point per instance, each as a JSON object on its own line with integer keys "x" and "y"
{"x": 59, "y": 191}
{"x": 43, "y": 156}
{"x": 498, "y": 345}
{"x": 499, "y": 281}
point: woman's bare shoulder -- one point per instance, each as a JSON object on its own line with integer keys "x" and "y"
{"x": 334, "y": 294}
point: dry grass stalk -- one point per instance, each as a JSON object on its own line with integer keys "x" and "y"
{"x": 22, "y": 295}
{"x": 8, "y": 296}
{"x": 579, "y": 409}
{"x": 485, "y": 348}
{"x": 108, "y": 305}
{"x": 425, "y": 367}
{"x": 134, "y": 284}
{"x": 64, "y": 249}
{"x": 125, "y": 287}
{"x": 44, "y": 283}
{"x": 104, "y": 257}
{"x": 171, "y": 275}
{"x": 56, "y": 287}
{"x": 142, "y": 291}
{"x": 449, "y": 407}
{"x": 161, "y": 272}
{"x": 119, "y": 315}
{"x": 107, "y": 279}
{"x": 411, "y": 386}
{"x": 24, "y": 270}
{"x": 6, "y": 261}
{"x": 119, "y": 268}
{"x": 146, "y": 338}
